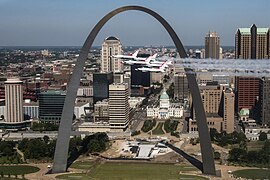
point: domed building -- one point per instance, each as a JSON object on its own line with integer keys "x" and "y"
{"x": 110, "y": 47}
{"x": 165, "y": 110}
{"x": 164, "y": 100}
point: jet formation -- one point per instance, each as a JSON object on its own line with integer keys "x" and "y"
{"x": 148, "y": 63}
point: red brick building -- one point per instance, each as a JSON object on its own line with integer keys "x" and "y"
{"x": 247, "y": 92}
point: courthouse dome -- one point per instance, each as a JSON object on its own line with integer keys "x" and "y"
{"x": 164, "y": 95}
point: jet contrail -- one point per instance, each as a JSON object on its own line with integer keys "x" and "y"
{"x": 249, "y": 67}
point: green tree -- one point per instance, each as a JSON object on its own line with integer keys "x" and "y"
{"x": 266, "y": 147}
{"x": 94, "y": 146}
{"x": 237, "y": 155}
{"x": 46, "y": 139}
{"x": 213, "y": 134}
{"x": 217, "y": 155}
{"x": 263, "y": 136}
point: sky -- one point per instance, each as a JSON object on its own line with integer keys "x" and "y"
{"x": 68, "y": 22}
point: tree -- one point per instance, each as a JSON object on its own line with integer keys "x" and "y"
{"x": 266, "y": 147}
{"x": 237, "y": 155}
{"x": 217, "y": 155}
{"x": 213, "y": 134}
{"x": 94, "y": 146}
{"x": 263, "y": 136}
{"x": 46, "y": 139}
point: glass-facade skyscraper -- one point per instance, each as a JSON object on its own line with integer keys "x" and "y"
{"x": 51, "y": 105}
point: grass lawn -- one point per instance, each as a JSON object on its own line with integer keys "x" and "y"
{"x": 253, "y": 173}
{"x": 158, "y": 129}
{"x": 81, "y": 176}
{"x": 20, "y": 169}
{"x": 82, "y": 165}
{"x": 115, "y": 171}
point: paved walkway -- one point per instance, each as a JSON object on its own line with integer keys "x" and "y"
{"x": 40, "y": 175}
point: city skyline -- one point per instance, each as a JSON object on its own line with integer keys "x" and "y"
{"x": 60, "y": 23}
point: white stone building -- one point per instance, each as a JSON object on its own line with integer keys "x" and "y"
{"x": 165, "y": 110}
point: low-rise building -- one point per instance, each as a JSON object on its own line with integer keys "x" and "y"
{"x": 165, "y": 110}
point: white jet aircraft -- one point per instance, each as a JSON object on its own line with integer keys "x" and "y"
{"x": 142, "y": 61}
{"x": 133, "y": 56}
{"x": 153, "y": 69}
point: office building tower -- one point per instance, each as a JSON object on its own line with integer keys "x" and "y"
{"x": 218, "y": 103}
{"x": 139, "y": 77}
{"x": 101, "y": 111}
{"x": 247, "y": 90}
{"x": 252, "y": 43}
{"x": 51, "y": 105}
{"x": 14, "y": 101}
{"x": 265, "y": 101}
{"x": 181, "y": 90}
{"x": 212, "y": 46}
{"x": 140, "y": 81}
{"x": 118, "y": 106}
{"x": 110, "y": 47}
{"x": 101, "y": 82}
{"x": 228, "y": 110}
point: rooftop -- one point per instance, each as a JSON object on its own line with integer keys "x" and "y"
{"x": 262, "y": 30}
{"x": 13, "y": 80}
{"x": 164, "y": 95}
{"x": 244, "y": 30}
{"x": 54, "y": 92}
{"x": 112, "y": 38}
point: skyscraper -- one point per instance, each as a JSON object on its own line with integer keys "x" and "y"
{"x": 218, "y": 101}
{"x": 118, "y": 106}
{"x": 252, "y": 43}
{"x": 101, "y": 82}
{"x": 14, "y": 100}
{"x": 265, "y": 101}
{"x": 212, "y": 45}
{"x": 228, "y": 111}
{"x": 110, "y": 47}
{"x": 51, "y": 106}
{"x": 181, "y": 90}
{"x": 247, "y": 90}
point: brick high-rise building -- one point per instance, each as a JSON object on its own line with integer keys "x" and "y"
{"x": 212, "y": 45}
{"x": 218, "y": 103}
{"x": 247, "y": 92}
{"x": 252, "y": 43}
{"x": 228, "y": 111}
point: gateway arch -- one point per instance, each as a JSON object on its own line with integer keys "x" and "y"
{"x": 62, "y": 144}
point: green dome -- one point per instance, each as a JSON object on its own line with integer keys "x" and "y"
{"x": 164, "y": 95}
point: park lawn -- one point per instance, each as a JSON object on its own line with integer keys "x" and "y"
{"x": 115, "y": 171}
{"x": 82, "y": 165}
{"x": 253, "y": 173}
{"x": 158, "y": 129}
{"x": 134, "y": 171}
{"x": 81, "y": 176}
{"x": 18, "y": 170}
